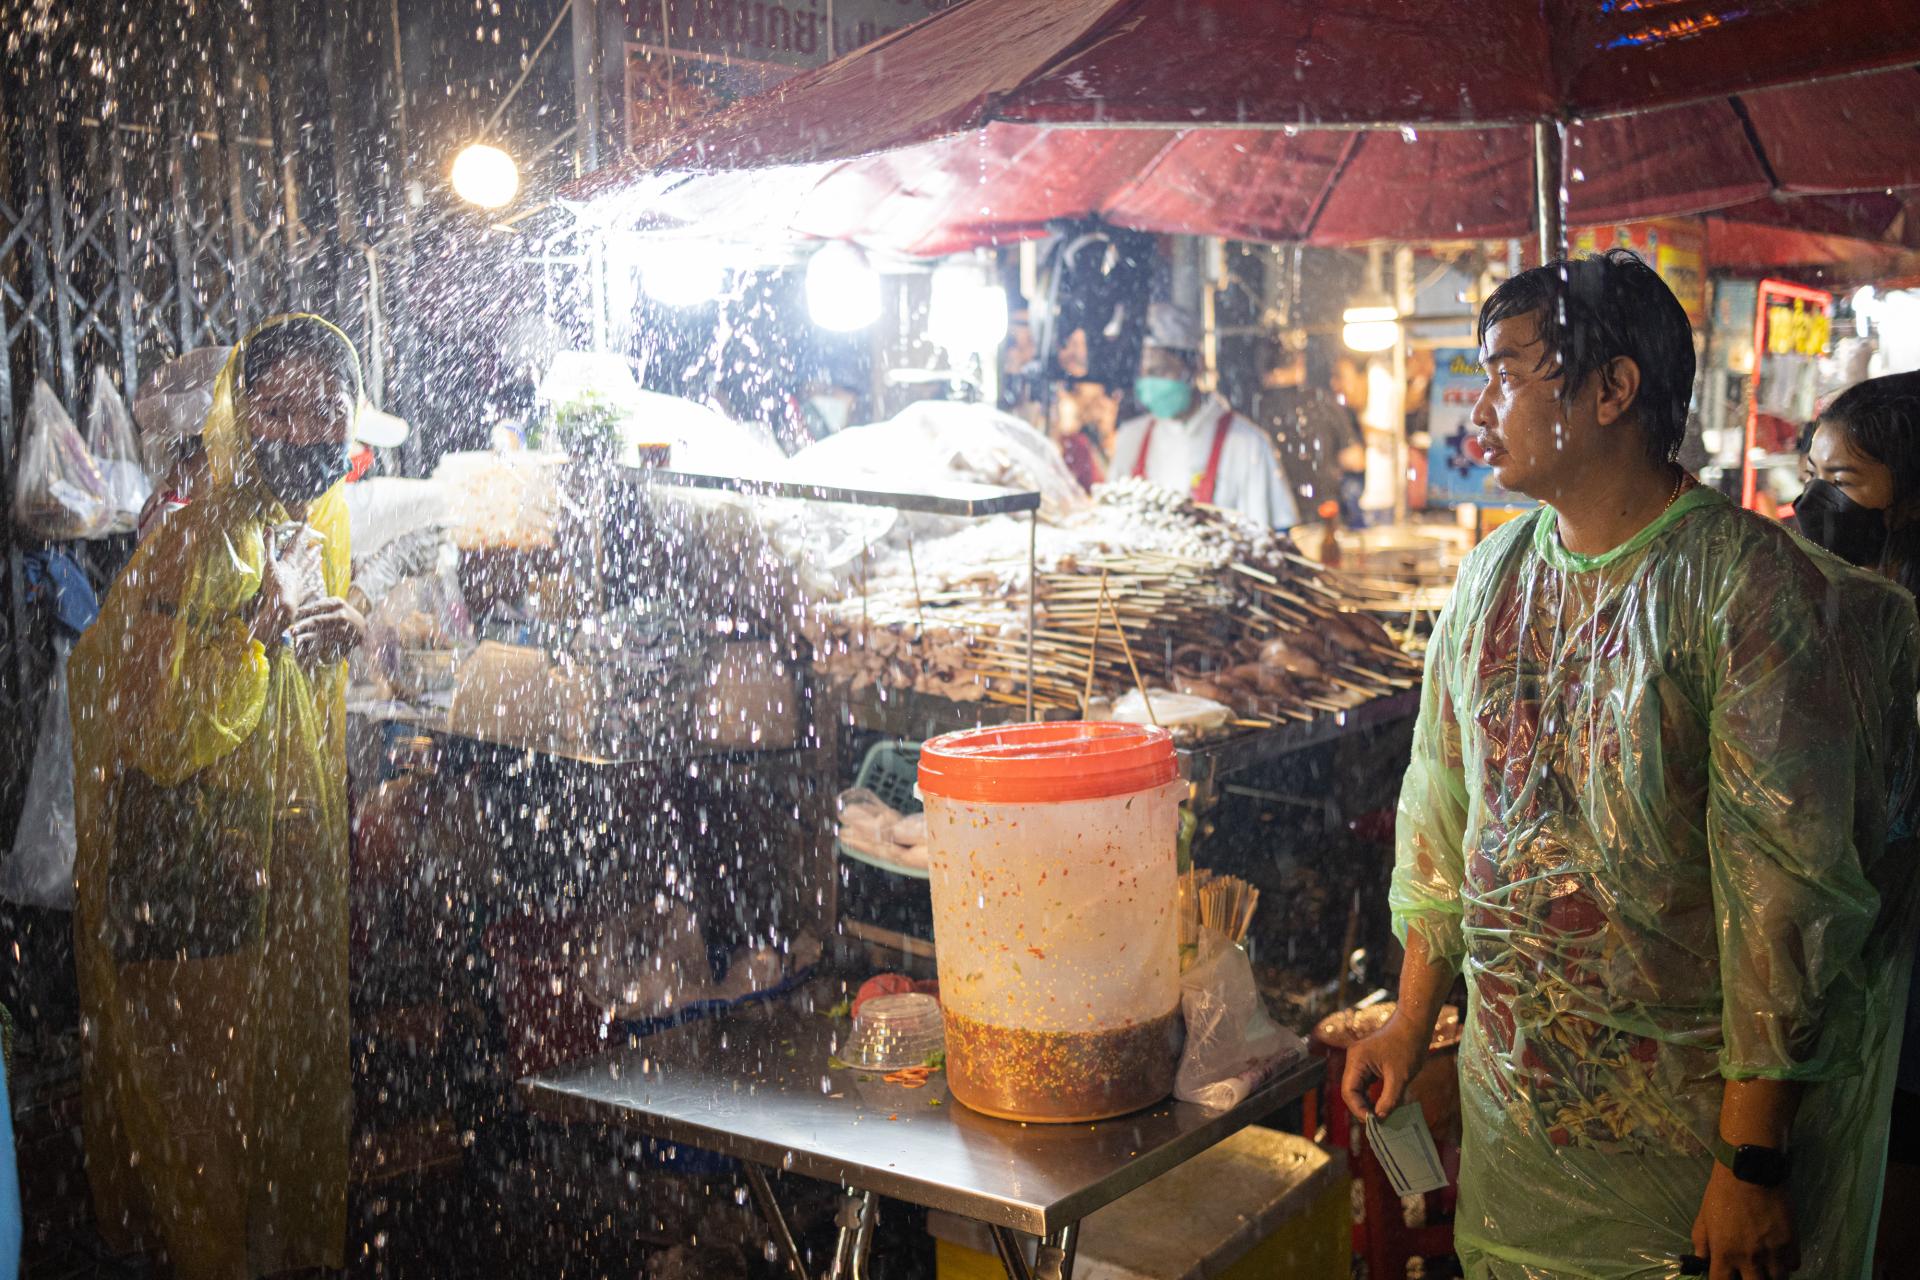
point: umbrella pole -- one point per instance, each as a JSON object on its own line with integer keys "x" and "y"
{"x": 1550, "y": 188}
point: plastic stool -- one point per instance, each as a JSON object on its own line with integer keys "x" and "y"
{"x": 1382, "y": 1237}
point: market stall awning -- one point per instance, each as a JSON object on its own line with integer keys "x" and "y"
{"x": 1181, "y": 64}
{"x": 1004, "y": 181}
{"x": 1751, "y": 248}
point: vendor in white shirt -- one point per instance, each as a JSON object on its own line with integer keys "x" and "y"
{"x": 1194, "y": 445}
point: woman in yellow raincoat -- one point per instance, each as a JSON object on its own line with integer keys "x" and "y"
{"x": 210, "y": 796}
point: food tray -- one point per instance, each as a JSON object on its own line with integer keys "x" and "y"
{"x": 891, "y": 770}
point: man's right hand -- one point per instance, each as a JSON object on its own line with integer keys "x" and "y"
{"x": 1393, "y": 1055}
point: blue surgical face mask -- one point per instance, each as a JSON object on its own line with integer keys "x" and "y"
{"x": 1163, "y": 397}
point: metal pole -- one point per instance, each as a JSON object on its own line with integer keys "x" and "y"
{"x": 186, "y": 327}
{"x": 60, "y": 261}
{"x": 22, "y": 197}
{"x": 776, "y": 1221}
{"x": 533, "y": 59}
{"x": 586, "y": 85}
{"x": 1055, "y": 1259}
{"x": 1403, "y": 302}
{"x": 123, "y": 283}
{"x": 1550, "y": 188}
{"x": 376, "y": 331}
{"x": 241, "y": 291}
{"x": 1011, "y": 1256}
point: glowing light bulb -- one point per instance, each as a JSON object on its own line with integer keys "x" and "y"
{"x": 843, "y": 289}
{"x": 1370, "y": 328}
{"x": 682, "y": 275}
{"x": 485, "y": 175}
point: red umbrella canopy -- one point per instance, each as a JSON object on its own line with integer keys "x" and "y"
{"x": 1225, "y": 63}
{"x": 1783, "y": 147}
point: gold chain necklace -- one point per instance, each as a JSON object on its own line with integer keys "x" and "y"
{"x": 1679, "y": 486}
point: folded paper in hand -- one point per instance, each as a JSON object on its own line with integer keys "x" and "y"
{"x": 1405, "y": 1149}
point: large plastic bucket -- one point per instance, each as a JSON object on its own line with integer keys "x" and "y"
{"x": 1053, "y": 851}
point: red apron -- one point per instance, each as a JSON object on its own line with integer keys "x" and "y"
{"x": 1203, "y": 484}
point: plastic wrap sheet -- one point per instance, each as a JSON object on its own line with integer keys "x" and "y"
{"x": 933, "y": 442}
{"x": 703, "y": 438}
{"x": 1648, "y": 814}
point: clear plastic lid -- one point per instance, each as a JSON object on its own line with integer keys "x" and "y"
{"x": 892, "y": 1032}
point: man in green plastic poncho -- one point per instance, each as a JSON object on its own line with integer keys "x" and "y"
{"x": 1662, "y": 748}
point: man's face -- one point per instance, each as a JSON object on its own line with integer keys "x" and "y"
{"x": 1074, "y": 361}
{"x": 300, "y": 402}
{"x": 1536, "y": 442}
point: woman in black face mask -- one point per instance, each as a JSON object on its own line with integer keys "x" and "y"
{"x": 1862, "y": 500}
{"x": 210, "y": 798}
{"x": 296, "y": 396}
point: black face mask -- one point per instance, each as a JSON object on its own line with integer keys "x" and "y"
{"x": 1830, "y": 519}
{"x": 299, "y": 472}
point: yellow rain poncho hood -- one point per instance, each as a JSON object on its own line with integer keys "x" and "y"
{"x": 1649, "y": 815}
{"x": 211, "y": 928}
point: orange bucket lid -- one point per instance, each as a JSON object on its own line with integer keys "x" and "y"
{"x": 1038, "y": 763}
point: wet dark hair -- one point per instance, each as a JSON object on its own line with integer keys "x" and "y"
{"x": 1881, "y": 418}
{"x": 1595, "y": 309}
{"x": 300, "y": 338}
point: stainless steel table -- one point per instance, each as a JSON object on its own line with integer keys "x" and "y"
{"x": 756, "y": 1084}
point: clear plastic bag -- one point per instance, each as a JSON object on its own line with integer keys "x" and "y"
{"x": 1232, "y": 1045}
{"x": 936, "y": 443}
{"x": 173, "y": 402}
{"x": 115, "y": 446}
{"x": 57, "y": 493}
{"x": 39, "y": 872}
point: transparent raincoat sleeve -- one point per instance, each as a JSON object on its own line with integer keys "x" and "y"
{"x": 1429, "y": 871}
{"x": 1792, "y": 901}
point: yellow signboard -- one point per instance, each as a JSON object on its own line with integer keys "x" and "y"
{"x": 1673, "y": 247}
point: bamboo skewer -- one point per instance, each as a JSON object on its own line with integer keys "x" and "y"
{"x": 1093, "y": 649}
{"x": 919, "y": 608}
{"x": 966, "y": 626}
{"x": 1224, "y": 904}
{"x": 1127, "y": 649}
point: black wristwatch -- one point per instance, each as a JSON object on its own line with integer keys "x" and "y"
{"x": 1762, "y": 1166}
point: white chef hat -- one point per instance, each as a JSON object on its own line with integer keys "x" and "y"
{"x": 378, "y": 428}
{"x": 1172, "y": 328}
